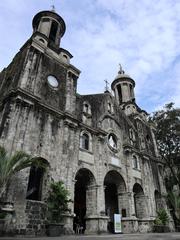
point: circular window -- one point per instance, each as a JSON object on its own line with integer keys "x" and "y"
{"x": 112, "y": 141}
{"x": 53, "y": 82}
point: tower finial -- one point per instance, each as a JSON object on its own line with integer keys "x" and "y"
{"x": 106, "y": 87}
{"x": 53, "y": 8}
{"x": 121, "y": 71}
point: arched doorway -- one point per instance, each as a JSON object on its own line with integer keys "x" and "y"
{"x": 114, "y": 185}
{"x": 84, "y": 198}
{"x": 139, "y": 201}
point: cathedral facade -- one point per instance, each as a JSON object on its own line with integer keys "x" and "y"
{"x": 101, "y": 145}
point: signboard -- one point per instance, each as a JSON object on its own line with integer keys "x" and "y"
{"x": 117, "y": 223}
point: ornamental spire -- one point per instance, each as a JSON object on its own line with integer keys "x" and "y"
{"x": 53, "y": 8}
{"x": 106, "y": 87}
{"x": 121, "y": 71}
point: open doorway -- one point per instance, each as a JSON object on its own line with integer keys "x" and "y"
{"x": 83, "y": 199}
{"x": 114, "y": 185}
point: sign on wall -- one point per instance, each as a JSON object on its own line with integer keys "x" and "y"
{"x": 117, "y": 223}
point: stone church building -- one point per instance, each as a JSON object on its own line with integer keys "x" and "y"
{"x": 100, "y": 145}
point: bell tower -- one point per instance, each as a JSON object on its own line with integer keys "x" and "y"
{"x": 123, "y": 88}
{"x": 42, "y": 69}
{"x": 50, "y": 27}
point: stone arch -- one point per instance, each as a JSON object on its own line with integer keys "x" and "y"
{"x": 35, "y": 182}
{"x": 85, "y": 197}
{"x": 139, "y": 201}
{"x": 115, "y": 196}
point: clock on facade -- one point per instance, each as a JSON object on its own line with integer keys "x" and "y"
{"x": 52, "y": 81}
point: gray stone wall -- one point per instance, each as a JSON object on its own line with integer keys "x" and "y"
{"x": 35, "y": 219}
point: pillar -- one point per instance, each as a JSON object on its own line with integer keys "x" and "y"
{"x": 124, "y": 203}
{"x": 96, "y": 221}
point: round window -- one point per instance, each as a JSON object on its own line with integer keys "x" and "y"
{"x": 53, "y": 82}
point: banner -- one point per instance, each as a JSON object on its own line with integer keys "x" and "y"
{"x": 117, "y": 223}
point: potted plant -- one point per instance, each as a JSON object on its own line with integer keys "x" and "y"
{"x": 161, "y": 221}
{"x": 57, "y": 205}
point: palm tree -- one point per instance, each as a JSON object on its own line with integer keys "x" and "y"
{"x": 9, "y": 165}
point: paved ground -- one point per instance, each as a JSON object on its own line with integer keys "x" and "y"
{"x": 150, "y": 236}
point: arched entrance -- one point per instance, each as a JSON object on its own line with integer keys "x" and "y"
{"x": 139, "y": 201}
{"x": 114, "y": 185}
{"x": 84, "y": 198}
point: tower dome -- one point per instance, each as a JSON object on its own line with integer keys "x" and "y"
{"x": 123, "y": 87}
{"x": 50, "y": 26}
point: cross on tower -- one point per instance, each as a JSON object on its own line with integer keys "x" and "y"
{"x": 52, "y": 8}
{"x": 121, "y": 71}
{"x": 106, "y": 87}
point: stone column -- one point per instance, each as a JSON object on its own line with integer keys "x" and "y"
{"x": 96, "y": 221}
{"x": 117, "y": 95}
{"x": 124, "y": 203}
{"x": 141, "y": 206}
{"x": 91, "y": 200}
{"x": 154, "y": 143}
{"x": 100, "y": 200}
{"x": 71, "y": 81}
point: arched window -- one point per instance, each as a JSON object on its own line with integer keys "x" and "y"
{"x": 84, "y": 141}
{"x": 148, "y": 138}
{"x": 110, "y": 107}
{"x": 41, "y": 40}
{"x": 132, "y": 136}
{"x": 35, "y": 183}
{"x": 119, "y": 93}
{"x": 53, "y": 31}
{"x": 135, "y": 162}
{"x": 86, "y": 108}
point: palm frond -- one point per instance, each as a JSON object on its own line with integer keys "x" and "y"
{"x": 9, "y": 165}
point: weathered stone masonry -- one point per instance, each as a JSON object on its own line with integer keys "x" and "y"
{"x": 100, "y": 145}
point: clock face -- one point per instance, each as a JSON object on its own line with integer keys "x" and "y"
{"x": 53, "y": 82}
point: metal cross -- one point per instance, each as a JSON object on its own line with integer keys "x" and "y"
{"x": 107, "y": 83}
{"x": 121, "y": 71}
{"x": 53, "y": 8}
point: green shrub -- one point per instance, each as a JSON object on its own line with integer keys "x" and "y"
{"x": 57, "y": 202}
{"x": 162, "y": 217}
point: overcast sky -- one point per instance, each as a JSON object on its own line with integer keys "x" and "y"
{"x": 142, "y": 35}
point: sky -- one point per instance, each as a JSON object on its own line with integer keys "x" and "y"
{"x": 142, "y": 35}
